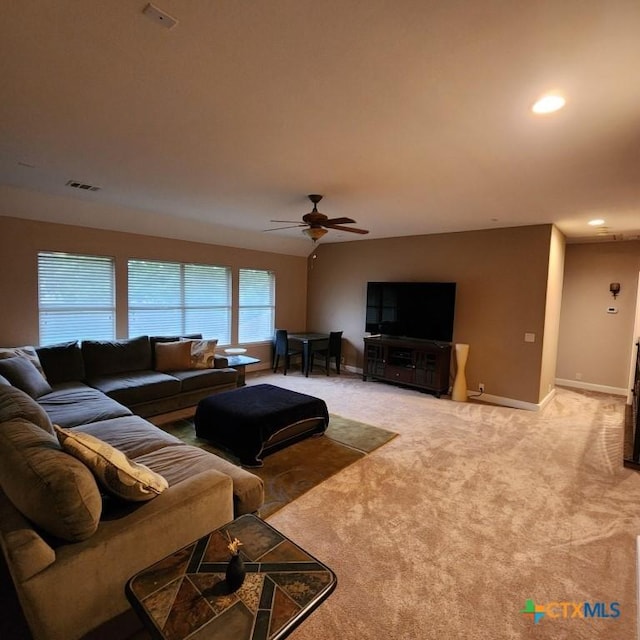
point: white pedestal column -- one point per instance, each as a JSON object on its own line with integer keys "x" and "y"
{"x": 459, "y": 393}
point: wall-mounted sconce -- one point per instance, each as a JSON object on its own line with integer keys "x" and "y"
{"x": 614, "y": 288}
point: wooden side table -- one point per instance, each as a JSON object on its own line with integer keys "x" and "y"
{"x": 185, "y": 594}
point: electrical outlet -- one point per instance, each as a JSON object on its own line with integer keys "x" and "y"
{"x": 481, "y": 387}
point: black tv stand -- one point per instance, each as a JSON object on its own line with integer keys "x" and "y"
{"x": 423, "y": 364}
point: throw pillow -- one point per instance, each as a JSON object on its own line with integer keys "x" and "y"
{"x": 49, "y": 487}
{"x": 153, "y": 340}
{"x": 22, "y": 373}
{"x": 173, "y": 356}
{"x": 115, "y": 472}
{"x": 27, "y": 352}
{"x": 203, "y": 353}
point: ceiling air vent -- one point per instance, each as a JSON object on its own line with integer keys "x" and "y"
{"x": 159, "y": 16}
{"x": 81, "y": 185}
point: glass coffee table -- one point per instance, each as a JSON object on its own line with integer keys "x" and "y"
{"x": 239, "y": 362}
{"x": 185, "y": 595}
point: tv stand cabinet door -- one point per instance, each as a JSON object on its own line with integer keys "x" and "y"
{"x": 374, "y": 360}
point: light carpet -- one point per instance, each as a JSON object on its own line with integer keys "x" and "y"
{"x": 447, "y": 530}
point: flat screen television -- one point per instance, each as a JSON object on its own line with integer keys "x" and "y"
{"x": 422, "y": 310}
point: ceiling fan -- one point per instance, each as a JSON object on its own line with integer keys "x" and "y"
{"x": 317, "y": 223}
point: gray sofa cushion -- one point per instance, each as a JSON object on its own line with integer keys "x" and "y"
{"x": 179, "y": 462}
{"x": 62, "y": 362}
{"x": 74, "y": 403}
{"x": 15, "y": 403}
{"x": 105, "y": 358}
{"x": 23, "y": 374}
{"x": 202, "y": 378}
{"x": 51, "y": 488}
{"x": 135, "y": 387}
{"x": 132, "y": 435}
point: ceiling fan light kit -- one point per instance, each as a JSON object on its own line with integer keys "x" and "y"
{"x": 318, "y": 224}
{"x": 315, "y": 233}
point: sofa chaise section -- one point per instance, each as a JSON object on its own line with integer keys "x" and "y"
{"x": 173, "y": 459}
{"x": 70, "y": 555}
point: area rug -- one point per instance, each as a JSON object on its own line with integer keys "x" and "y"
{"x": 292, "y": 471}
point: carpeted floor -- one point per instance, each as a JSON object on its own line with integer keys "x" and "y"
{"x": 450, "y": 528}
{"x": 293, "y": 470}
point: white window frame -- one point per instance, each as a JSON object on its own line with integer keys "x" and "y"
{"x": 76, "y": 297}
{"x": 179, "y": 305}
{"x": 256, "y": 317}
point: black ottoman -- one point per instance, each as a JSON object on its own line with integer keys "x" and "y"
{"x": 255, "y": 420}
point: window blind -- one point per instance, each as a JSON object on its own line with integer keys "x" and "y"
{"x": 256, "y": 305}
{"x": 172, "y": 298}
{"x": 76, "y": 297}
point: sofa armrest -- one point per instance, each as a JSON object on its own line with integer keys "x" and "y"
{"x": 24, "y": 549}
{"x": 220, "y": 362}
{"x": 27, "y": 553}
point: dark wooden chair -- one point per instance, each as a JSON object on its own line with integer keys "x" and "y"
{"x": 281, "y": 348}
{"x": 333, "y": 350}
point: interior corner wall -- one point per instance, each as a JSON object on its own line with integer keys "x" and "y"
{"x": 555, "y": 281}
{"x": 23, "y": 239}
{"x": 501, "y": 277}
{"x": 595, "y": 346}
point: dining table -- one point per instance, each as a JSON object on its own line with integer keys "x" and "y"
{"x": 310, "y": 341}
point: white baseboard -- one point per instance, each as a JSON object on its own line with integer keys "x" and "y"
{"x": 589, "y": 386}
{"x": 486, "y": 397}
{"x": 510, "y": 402}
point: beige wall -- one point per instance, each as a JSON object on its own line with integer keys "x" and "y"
{"x": 595, "y": 347}
{"x": 555, "y": 281}
{"x": 23, "y": 239}
{"x": 501, "y": 278}
{"x": 509, "y": 282}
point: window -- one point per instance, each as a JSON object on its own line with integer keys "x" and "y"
{"x": 171, "y": 298}
{"x": 76, "y": 298}
{"x": 256, "y": 307}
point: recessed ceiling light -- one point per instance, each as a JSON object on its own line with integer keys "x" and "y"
{"x": 548, "y": 104}
{"x": 597, "y": 222}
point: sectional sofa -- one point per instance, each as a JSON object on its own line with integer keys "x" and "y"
{"x": 90, "y": 491}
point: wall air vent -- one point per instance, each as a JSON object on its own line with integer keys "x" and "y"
{"x": 81, "y": 185}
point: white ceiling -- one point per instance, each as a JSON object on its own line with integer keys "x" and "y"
{"x": 411, "y": 116}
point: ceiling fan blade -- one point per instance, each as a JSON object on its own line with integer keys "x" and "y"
{"x": 337, "y": 227}
{"x": 339, "y": 221}
{"x": 289, "y": 221}
{"x": 291, "y": 226}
